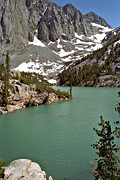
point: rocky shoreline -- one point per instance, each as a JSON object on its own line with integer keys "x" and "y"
{"x": 25, "y": 169}
{"x": 23, "y": 96}
{"x": 104, "y": 81}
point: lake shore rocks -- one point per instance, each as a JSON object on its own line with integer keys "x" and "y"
{"x": 25, "y": 169}
{"x": 22, "y": 96}
{"x": 3, "y": 110}
{"x": 109, "y": 81}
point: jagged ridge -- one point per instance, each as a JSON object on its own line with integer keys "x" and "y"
{"x": 67, "y": 34}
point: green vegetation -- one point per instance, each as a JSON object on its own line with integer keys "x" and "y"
{"x": 89, "y": 73}
{"x": 32, "y": 78}
{"x": 1, "y": 71}
{"x": 2, "y": 169}
{"x": 40, "y": 83}
{"x": 62, "y": 94}
{"x": 100, "y": 64}
{"x": 108, "y": 163}
{"x": 35, "y": 81}
{"x": 30, "y": 103}
{"x": 46, "y": 99}
{"x": 118, "y": 107}
{"x": 5, "y": 77}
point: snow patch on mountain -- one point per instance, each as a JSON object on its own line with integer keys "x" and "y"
{"x": 98, "y": 37}
{"x": 103, "y": 28}
{"x": 37, "y": 42}
{"x": 31, "y": 67}
{"x": 64, "y": 53}
{"x": 117, "y": 42}
{"x": 79, "y": 36}
{"x": 68, "y": 50}
{"x": 44, "y": 69}
{"x": 52, "y": 81}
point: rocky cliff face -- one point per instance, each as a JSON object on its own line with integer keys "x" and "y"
{"x": 20, "y": 19}
{"x": 67, "y": 34}
{"x": 23, "y": 93}
{"x": 93, "y": 18}
{"x": 14, "y": 27}
{"x": 18, "y": 22}
{"x": 80, "y": 24}
{"x": 54, "y": 24}
{"x": 63, "y": 22}
{"x": 112, "y": 36}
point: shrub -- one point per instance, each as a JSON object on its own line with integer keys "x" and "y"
{"x": 30, "y": 103}
{"x": 45, "y": 99}
{"x": 2, "y": 170}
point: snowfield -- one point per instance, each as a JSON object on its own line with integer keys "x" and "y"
{"x": 37, "y": 42}
{"x": 67, "y": 50}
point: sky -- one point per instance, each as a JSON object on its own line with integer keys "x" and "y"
{"x": 107, "y": 9}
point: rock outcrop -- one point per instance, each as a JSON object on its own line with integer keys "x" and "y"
{"x": 23, "y": 95}
{"x": 54, "y": 24}
{"x": 62, "y": 22}
{"x": 44, "y": 38}
{"x": 112, "y": 36}
{"x": 24, "y": 169}
{"x": 19, "y": 20}
{"x": 14, "y": 27}
{"x": 100, "y": 68}
{"x": 80, "y": 24}
{"x": 18, "y": 23}
{"x": 93, "y": 18}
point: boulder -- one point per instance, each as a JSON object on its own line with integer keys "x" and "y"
{"x": 24, "y": 169}
{"x": 16, "y": 97}
{"x": 3, "y": 110}
{"x": 53, "y": 98}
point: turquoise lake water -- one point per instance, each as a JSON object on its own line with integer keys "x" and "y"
{"x": 59, "y": 136}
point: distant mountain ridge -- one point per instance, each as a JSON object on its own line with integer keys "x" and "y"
{"x": 20, "y": 19}
{"x": 63, "y": 22}
{"x": 93, "y": 18}
{"x": 43, "y": 37}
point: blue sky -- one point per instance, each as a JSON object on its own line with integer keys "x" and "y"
{"x": 108, "y": 9}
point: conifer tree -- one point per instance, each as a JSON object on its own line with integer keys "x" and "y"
{"x": 5, "y": 84}
{"x": 118, "y": 108}
{"x": 71, "y": 81}
{"x": 1, "y": 169}
{"x": 108, "y": 167}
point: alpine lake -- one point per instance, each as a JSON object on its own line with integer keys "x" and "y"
{"x": 59, "y": 136}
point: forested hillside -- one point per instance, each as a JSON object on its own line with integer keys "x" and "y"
{"x": 100, "y": 68}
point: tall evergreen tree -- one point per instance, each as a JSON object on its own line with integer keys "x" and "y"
{"x": 118, "y": 108}
{"x": 108, "y": 163}
{"x": 5, "y": 85}
{"x": 2, "y": 170}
